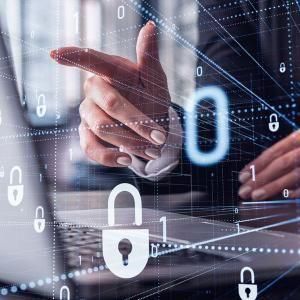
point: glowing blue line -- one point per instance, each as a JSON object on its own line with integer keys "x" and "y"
{"x": 244, "y": 49}
{"x": 298, "y": 4}
{"x": 278, "y": 278}
{"x": 273, "y": 202}
{"x": 210, "y": 62}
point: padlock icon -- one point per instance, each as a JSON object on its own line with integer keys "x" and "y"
{"x": 15, "y": 192}
{"x": 247, "y": 291}
{"x": 138, "y": 254}
{"x": 282, "y": 68}
{"x": 2, "y": 173}
{"x": 273, "y": 123}
{"x": 41, "y": 106}
{"x": 64, "y": 293}
{"x": 39, "y": 221}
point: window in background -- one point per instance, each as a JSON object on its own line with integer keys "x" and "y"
{"x": 36, "y": 27}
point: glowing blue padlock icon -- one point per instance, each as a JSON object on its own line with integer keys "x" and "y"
{"x": 139, "y": 238}
{"x": 247, "y": 291}
{"x": 282, "y": 68}
{"x": 41, "y": 106}
{"x": 273, "y": 123}
{"x": 39, "y": 221}
{"x": 64, "y": 293}
{"x": 15, "y": 192}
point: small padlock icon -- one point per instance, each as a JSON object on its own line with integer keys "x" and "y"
{"x": 41, "y": 106}
{"x": 2, "y": 173}
{"x": 39, "y": 221}
{"x": 282, "y": 68}
{"x": 138, "y": 255}
{"x": 247, "y": 291}
{"x": 15, "y": 192}
{"x": 273, "y": 123}
{"x": 64, "y": 293}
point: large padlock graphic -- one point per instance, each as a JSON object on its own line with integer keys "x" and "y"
{"x": 282, "y": 68}
{"x": 15, "y": 192}
{"x": 64, "y": 293}
{"x": 273, "y": 123}
{"x": 138, "y": 254}
{"x": 247, "y": 291}
{"x": 41, "y": 106}
{"x": 2, "y": 173}
{"x": 39, "y": 221}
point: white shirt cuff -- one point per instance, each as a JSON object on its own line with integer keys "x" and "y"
{"x": 155, "y": 170}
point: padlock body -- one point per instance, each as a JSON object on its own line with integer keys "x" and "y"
{"x": 41, "y": 110}
{"x": 274, "y": 126}
{"x": 15, "y": 194}
{"x": 39, "y": 225}
{"x": 253, "y": 291}
{"x": 137, "y": 258}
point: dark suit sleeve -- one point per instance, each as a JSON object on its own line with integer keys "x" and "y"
{"x": 247, "y": 42}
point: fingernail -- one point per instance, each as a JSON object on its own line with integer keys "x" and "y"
{"x": 258, "y": 194}
{"x": 124, "y": 160}
{"x": 151, "y": 23}
{"x": 53, "y": 54}
{"x": 158, "y": 137}
{"x": 153, "y": 153}
{"x": 244, "y": 176}
{"x": 244, "y": 192}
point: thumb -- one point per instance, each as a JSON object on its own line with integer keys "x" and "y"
{"x": 147, "y": 47}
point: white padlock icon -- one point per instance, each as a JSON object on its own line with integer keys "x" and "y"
{"x": 137, "y": 258}
{"x": 39, "y": 221}
{"x": 273, "y": 123}
{"x": 41, "y": 106}
{"x": 247, "y": 291}
{"x": 282, "y": 67}
{"x": 15, "y": 192}
{"x": 64, "y": 293}
{"x": 2, "y": 173}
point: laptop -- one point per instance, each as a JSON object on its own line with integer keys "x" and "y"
{"x": 52, "y": 243}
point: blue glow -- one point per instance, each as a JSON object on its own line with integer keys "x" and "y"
{"x": 194, "y": 152}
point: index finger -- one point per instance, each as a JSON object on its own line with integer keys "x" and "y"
{"x": 99, "y": 63}
{"x": 279, "y": 149}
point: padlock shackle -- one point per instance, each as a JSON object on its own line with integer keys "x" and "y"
{"x": 11, "y": 174}
{"x": 62, "y": 289}
{"x": 125, "y": 187}
{"x": 39, "y": 208}
{"x": 43, "y": 99}
{"x": 245, "y": 269}
{"x": 273, "y": 116}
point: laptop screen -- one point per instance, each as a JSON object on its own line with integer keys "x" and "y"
{"x": 25, "y": 253}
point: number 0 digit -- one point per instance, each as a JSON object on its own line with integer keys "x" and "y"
{"x": 222, "y": 124}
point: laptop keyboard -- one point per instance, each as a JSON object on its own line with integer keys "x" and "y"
{"x": 83, "y": 249}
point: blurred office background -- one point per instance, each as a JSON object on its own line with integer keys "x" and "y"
{"x": 36, "y": 27}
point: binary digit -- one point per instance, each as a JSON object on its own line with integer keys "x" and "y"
{"x": 76, "y": 20}
{"x": 164, "y": 221}
{"x": 199, "y": 71}
{"x": 121, "y": 12}
{"x": 222, "y": 145}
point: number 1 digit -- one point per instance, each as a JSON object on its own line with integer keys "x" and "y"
{"x": 164, "y": 221}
